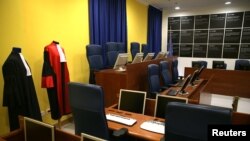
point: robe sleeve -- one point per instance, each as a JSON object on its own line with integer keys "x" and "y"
{"x": 11, "y": 90}
{"x": 47, "y": 72}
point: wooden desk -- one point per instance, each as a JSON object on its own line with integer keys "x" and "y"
{"x": 134, "y": 130}
{"x": 134, "y": 78}
{"x": 226, "y": 82}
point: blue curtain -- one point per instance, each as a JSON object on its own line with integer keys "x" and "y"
{"x": 154, "y": 29}
{"x": 108, "y": 22}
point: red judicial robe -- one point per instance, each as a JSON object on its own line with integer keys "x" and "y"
{"x": 55, "y": 77}
{"x": 19, "y": 93}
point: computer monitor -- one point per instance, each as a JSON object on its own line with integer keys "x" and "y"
{"x": 138, "y": 58}
{"x": 218, "y": 65}
{"x": 87, "y": 137}
{"x": 121, "y": 61}
{"x": 199, "y": 72}
{"x": 193, "y": 77}
{"x": 186, "y": 81}
{"x": 149, "y": 57}
{"x": 35, "y": 130}
{"x": 162, "y": 101}
{"x": 132, "y": 101}
{"x": 160, "y": 55}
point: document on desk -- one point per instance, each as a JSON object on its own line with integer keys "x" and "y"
{"x": 121, "y": 119}
{"x": 154, "y": 126}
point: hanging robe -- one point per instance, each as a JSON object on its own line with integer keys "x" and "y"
{"x": 55, "y": 77}
{"x": 19, "y": 93}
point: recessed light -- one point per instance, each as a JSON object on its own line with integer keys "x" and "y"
{"x": 228, "y": 2}
{"x": 177, "y": 8}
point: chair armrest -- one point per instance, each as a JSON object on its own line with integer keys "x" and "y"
{"x": 121, "y": 132}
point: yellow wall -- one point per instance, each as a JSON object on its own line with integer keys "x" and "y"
{"x": 137, "y": 20}
{"x": 33, "y": 24}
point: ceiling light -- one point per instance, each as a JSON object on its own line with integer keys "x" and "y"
{"x": 177, "y": 8}
{"x": 228, "y": 2}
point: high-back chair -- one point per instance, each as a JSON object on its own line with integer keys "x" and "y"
{"x": 112, "y": 53}
{"x": 199, "y": 64}
{"x": 87, "y": 105}
{"x": 134, "y": 48}
{"x": 175, "y": 72}
{"x": 189, "y": 122}
{"x": 144, "y": 50}
{"x": 121, "y": 47}
{"x": 95, "y": 60}
{"x": 242, "y": 65}
{"x": 219, "y": 65}
{"x": 153, "y": 80}
{"x": 166, "y": 73}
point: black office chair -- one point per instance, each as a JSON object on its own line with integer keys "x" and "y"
{"x": 175, "y": 72}
{"x": 219, "y": 65}
{"x": 134, "y": 48}
{"x": 144, "y": 50}
{"x": 199, "y": 64}
{"x": 95, "y": 60}
{"x": 166, "y": 74}
{"x": 87, "y": 105}
{"x": 121, "y": 47}
{"x": 112, "y": 53}
{"x": 189, "y": 122}
{"x": 242, "y": 65}
{"x": 154, "y": 81}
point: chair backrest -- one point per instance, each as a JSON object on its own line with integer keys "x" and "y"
{"x": 112, "y": 53}
{"x": 134, "y": 48}
{"x": 190, "y": 122}
{"x": 165, "y": 73}
{"x": 219, "y": 65}
{"x": 175, "y": 72}
{"x": 153, "y": 78}
{"x": 242, "y": 65}
{"x": 121, "y": 47}
{"x": 87, "y": 105}
{"x": 94, "y": 56}
{"x": 199, "y": 64}
{"x": 144, "y": 49}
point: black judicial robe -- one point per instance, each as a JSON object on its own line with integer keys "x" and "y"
{"x": 55, "y": 77}
{"x": 19, "y": 93}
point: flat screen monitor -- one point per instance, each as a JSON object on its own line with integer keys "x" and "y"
{"x": 218, "y": 64}
{"x": 87, "y": 137}
{"x": 35, "y": 130}
{"x": 162, "y": 101}
{"x": 132, "y": 101}
{"x": 193, "y": 77}
{"x": 121, "y": 61}
{"x": 199, "y": 72}
{"x": 138, "y": 58}
{"x": 149, "y": 57}
{"x": 160, "y": 55}
{"x": 186, "y": 81}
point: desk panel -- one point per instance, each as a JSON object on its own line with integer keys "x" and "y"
{"x": 134, "y": 78}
